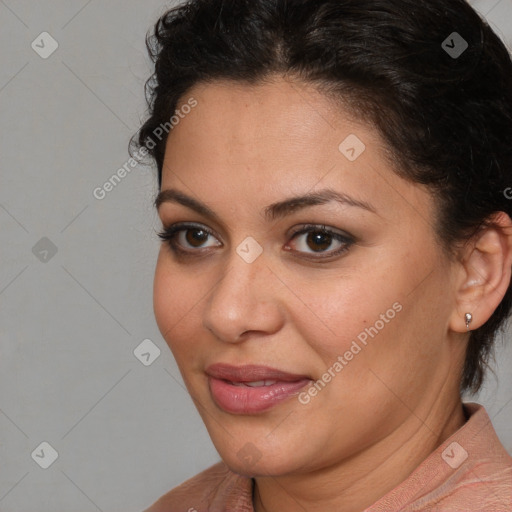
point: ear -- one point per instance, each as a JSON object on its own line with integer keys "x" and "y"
{"x": 485, "y": 270}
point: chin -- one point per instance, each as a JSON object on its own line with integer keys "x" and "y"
{"x": 252, "y": 459}
{"x": 256, "y": 466}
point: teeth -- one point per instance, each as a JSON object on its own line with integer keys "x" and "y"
{"x": 256, "y": 383}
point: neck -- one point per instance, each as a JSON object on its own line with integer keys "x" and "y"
{"x": 355, "y": 484}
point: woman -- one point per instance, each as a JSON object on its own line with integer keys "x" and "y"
{"x": 337, "y": 248}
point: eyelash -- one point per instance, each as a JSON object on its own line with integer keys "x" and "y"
{"x": 344, "y": 239}
{"x": 168, "y": 236}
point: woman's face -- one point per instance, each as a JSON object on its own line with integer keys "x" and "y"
{"x": 299, "y": 250}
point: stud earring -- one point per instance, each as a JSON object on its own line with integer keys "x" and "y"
{"x": 469, "y": 318}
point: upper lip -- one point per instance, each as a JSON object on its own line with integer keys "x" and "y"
{"x": 250, "y": 373}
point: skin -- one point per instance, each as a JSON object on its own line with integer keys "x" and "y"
{"x": 244, "y": 148}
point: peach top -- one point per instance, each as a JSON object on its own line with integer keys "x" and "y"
{"x": 470, "y": 471}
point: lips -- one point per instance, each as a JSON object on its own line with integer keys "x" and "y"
{"x": 251, "y": 389}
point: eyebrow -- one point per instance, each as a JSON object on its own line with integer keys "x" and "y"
{"x": 275, "y": 210}
{"x": 174, "y": 196}
{"x": 288, "y": 206}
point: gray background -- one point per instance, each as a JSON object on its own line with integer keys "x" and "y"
{"x": 125, "y": 433}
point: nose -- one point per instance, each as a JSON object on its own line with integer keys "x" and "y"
{"x": 245, "y": 300}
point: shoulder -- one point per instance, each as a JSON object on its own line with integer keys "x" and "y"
{"x": 478, "y": 469}
{"x": 215, "y": 485}
{"x": 480, "y": 484}
{"x": 470, "y": 471}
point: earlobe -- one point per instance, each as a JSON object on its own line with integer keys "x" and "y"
{"x": 485, "y": 272}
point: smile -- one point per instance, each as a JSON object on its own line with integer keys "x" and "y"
{"x": 251, "y": 389}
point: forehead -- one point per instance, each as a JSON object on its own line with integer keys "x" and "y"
{"x": 276, "y": 110}
{"x": 280, "y": 137}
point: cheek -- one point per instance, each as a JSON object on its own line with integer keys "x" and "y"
{"x": 389, "y": 333}
{"x": 163, "y": 298}
{"x": 373, "y": 317}
{"x": 174, "y": 298}
{"x": 355, "y": 305}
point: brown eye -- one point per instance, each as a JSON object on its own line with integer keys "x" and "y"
{"x": 196, "y": 237}
{"x": 189, "y": 238}
{"x": 319, "y": 241}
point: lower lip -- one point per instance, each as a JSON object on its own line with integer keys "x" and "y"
{"x": 252, "y": 400}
